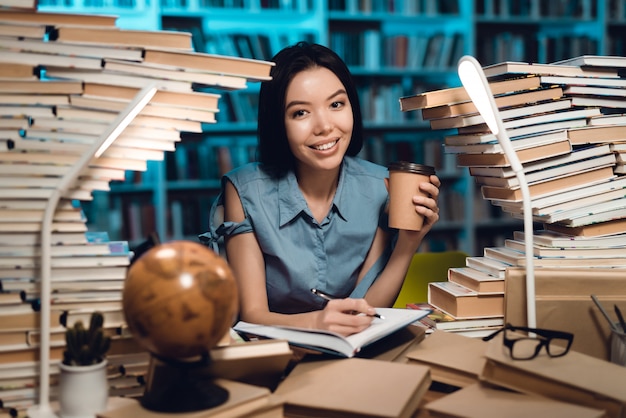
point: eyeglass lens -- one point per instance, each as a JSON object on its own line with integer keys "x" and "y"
{"x": 527, "y": 348}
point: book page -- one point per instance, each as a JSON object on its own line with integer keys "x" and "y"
{"x": 394, "y": 319}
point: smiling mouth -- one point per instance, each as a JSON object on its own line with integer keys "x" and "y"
{"x": 325, "y": 146}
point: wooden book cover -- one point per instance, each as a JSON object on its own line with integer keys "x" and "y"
{"x": 243, "y": 399}
{"x": 128, "y": 37}
{"x": 480, "y": 401}
{"x": 597, "y": 134}
{"x": 525, "y": 155}
{"x": 259, "y": 362}
{"x": 502, "y": 101}
{"x": 453, "y": 359}
{"x": 355, "y": 387}
{"x": 234, "y": 66}
{"x": 57, "y": 18}
{"x": 475, "y": 280}
{"x": 576, "y": 377}
{"x": 462, "y": 302}
{"x": 458, "y": 94}
{"x": 549, "y": 187}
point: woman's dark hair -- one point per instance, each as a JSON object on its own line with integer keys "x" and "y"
{"x": 274, "y": 152}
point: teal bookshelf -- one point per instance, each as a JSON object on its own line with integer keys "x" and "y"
{"x": 394, "y": 49}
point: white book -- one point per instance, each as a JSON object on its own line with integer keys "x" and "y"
{"x": 492, "y": 267}
{"x": 574, "y": 156}
{"x": 550, "y": 173}
{"x": 496, "y": 148}
{"x": 549, "y": 238}
{"x": 330, "y": 342}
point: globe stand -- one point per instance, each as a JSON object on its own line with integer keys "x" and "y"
{"x": 179, "y": 386}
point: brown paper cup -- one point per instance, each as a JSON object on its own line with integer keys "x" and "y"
{"x": 404, "y": 180}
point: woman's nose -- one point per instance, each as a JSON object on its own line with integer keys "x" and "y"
{"x": 323, "y": 123}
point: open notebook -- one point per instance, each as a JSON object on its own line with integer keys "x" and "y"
{"x": 333, "y": 343}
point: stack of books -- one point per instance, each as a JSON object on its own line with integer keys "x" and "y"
{"x": 63, "y": 79}
{"x": 567, "y": 123}
{"x": 469, "y": 326}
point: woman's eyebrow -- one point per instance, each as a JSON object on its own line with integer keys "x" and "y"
{"x": 303, "y": 102}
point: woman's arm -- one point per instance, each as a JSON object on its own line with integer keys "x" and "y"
{"x": 246, "y": 261}
{"x": 387, "y": 286}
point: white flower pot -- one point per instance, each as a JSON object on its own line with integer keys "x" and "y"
{"x": 84, "y": 390}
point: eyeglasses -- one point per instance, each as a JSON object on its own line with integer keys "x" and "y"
{"x": 557, "y": 343}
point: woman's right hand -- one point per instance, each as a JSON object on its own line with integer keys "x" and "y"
{"x": 345, "y": 316}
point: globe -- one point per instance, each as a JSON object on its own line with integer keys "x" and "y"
{"x": 179, "y": 299}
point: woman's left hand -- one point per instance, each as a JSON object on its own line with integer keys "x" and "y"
{"x": 427, "y": 206}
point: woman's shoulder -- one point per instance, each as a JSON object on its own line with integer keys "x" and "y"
{"x": 247, "y": 173}
{"x": 359, "y": 166}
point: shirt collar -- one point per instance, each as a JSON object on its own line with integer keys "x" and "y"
{"x": 291, "y": 202}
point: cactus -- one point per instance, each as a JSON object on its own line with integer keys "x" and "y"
{"x": 86, "y": 346}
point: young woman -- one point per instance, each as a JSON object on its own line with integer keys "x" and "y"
{"x": 310, "y": 214}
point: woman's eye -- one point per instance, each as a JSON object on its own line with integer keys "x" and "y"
{"x": 337, "y": 105}
{"x": 298, "y": 113}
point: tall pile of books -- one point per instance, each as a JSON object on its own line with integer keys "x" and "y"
{"x": 567, "y": 124}
{"x": 63, "y": 80}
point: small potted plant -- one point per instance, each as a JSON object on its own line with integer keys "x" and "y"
{"x": 83, "y": 383}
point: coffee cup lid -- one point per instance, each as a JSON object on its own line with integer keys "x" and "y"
{"x": 411, "y": 167}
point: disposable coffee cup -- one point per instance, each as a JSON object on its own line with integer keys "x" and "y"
{"x": 404, "y": 180}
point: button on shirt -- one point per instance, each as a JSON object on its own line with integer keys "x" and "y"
{"x": 301, "y": 253}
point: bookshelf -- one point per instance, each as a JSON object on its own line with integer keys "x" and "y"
{"x": 393, "y": 48}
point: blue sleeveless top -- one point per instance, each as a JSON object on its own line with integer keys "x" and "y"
{"x": 299, "y": 252}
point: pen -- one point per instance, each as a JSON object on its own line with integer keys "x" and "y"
{"x": 622, "y": 323}
{"x": 329, "y": 297}
{"x": 604, "y": 312}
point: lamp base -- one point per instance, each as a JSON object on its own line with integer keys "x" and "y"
{"x": 180, "y": 387}
{"x": 41, "y": 411}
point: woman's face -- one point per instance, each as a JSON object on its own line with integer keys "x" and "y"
{"x": 318, "y": 119}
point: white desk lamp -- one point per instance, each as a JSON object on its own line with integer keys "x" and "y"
{"x": 475, "y": 83}
{"x": 103, "y": 142}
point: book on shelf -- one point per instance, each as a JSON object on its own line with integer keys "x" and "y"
{"x": 595, "y": 218}
{"x": 596, "y": 205}
{"x": 221, "y": 64}
{"x": 453, "y": 359}
{"x": 41, "y": 86}
{"x": 525, "y": 155}
{"x": 575, "y": 378}
{"x": 551, "y": 186}
{"x": 113, "y": 78}
{"x": 175, "y": 40}
{"x": 511, "y": 68}
{"x": 557, "y": 252}
{"x": 476, "y": 280}
{"x": 14, "y": 70}
{"x": 609, "y": 61}
{"x": 99, "y": 50}
{"x": 597, "y": 134}
{"x": 554, "y": 239}
{"x": 63, "y": 61}
{"x": 438, "y": 319}
{"x": 458, "y": 94}
{"x": 461, "y": 302}
{"x": 568, "y": 198}
{"x": 584, "y": 81}
{"x": 258, "y": 362}
{"x": 480, "y": 400}
{"x": 243, "y": 399}
{"x": 454, "y": 145}
{"x": 487, "y": 265}
{"x": 58, "y": 18}
{"x": 23, "y": 29}
{"x": 228, "y": 82}
{"x": 333, "y": 343}
{"x": 551, "y": 172}
{"x": 502, "y": 101}
{"x": 352, "y": 387}
{"x": 518, "y": 116}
